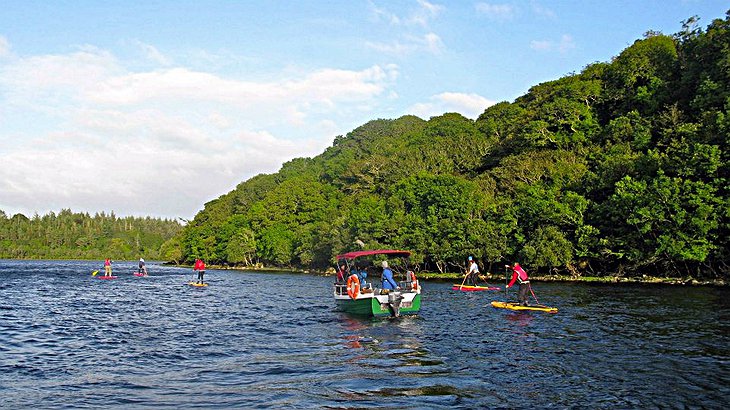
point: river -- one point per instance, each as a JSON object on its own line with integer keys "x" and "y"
{"x": 273, "y": 340}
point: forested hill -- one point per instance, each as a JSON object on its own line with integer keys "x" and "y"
{"x": 619, "y": 169}
{"x": 76, "y": 235}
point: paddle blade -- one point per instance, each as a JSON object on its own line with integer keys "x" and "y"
{"x": 94, "y": 273}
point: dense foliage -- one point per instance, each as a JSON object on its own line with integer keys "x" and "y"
{"x": 69, "y": 235}
{"x": 619, "y": 169}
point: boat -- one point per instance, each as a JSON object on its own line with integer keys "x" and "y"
{"x": 518, "y": 307}
{"x": 472, "y": 288}
{"x": 359, "y": 299}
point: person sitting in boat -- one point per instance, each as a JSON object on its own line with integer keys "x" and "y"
{"x": 388, "y": 281}
{"x": 142, "y": 267}
{"x": 342, "y": 273}
{"x": 519, "y": 274}
{"x": 362, "y": 274}
{"x": 473, "y": 273}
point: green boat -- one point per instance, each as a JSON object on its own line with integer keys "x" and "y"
{"x": 363, "y": 299}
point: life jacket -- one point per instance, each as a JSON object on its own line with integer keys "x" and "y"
{"x": 521, "y": 274}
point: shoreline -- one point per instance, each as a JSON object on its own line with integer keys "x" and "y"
{"x": 448, "y": 277}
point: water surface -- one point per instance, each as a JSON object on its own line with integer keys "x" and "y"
{"x": 262, "y": 340}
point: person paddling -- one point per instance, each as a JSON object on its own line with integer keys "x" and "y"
{"x": 473, "y": 274}
{"x": 519, "y": 274}
{"x": 200, "y": 268}
{"x": 107, "y": 267}
{"x": 142, "y": 267}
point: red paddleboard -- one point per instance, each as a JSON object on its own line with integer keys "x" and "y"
{"x": 138, "y": 274}
{"x": 106, "y": 277}
{"x": 469, "y": 288}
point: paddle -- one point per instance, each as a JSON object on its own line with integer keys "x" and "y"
{"x": 94, "y": 273}
{"x": 462, "y": 282}
{"x": 506, "y": 279}
{"x": 533, "y": 293}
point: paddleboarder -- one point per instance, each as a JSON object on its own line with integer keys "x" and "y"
{"x": 519, "y": 274}
{"x": 107, "y": 267}
{"x": 473, "y": 274}
{"x": 142, "y": 267}
{"x": 200, "y": 268}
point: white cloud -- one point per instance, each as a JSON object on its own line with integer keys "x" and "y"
{"x": 564, "y": 45}
{"x": 163, "y": 141}
{"x": 496, "y": 11}
{"x": 468, "y": 105}
{"x": 152, "y": 54}
{"x": 429, "y": 42}
{"x": 4, "y": 47}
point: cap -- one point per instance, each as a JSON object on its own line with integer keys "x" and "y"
{"x": 141, "y": 260}
{"x": 385, "y": 264}
{"x": 470, "y": 258}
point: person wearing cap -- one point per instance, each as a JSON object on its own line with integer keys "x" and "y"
{"x": 388, "y": 281}
{"x": 473, "y": 273}
{"x": 519, "y": 274}
{"x": 142, "y": 267}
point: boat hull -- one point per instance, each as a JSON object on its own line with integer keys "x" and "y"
{"x": 377, "y": 305}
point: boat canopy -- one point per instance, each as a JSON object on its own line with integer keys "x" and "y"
{"x": 357, "y": 254}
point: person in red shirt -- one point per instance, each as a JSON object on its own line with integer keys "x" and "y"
{"x": 342, "y": 273}
{"x": 519, "y": 274}
{"x": 200, "y": 268}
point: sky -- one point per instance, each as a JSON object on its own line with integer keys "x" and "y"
{"x": 153, "y": 108}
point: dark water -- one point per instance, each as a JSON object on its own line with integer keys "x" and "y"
{"x": 273, "y": 340}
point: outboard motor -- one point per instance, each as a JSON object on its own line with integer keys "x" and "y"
{"x": 394, "y": 300}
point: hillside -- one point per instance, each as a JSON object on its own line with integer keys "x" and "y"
{"x": 620, "y": 169}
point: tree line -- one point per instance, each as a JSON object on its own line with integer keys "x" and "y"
{"x": 70, "y": 235}
{"x": 620, "y": 169}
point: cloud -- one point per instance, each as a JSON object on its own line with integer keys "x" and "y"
{"x": 430, "y": 43}
{"x": 90, "y": 134}
{"x": 468, "y": 105}
{"x": 564, "y": 45}
{"x": 421, "y": 15}
{"x": 4, "y": 47}
{"x": 496, "y": 11}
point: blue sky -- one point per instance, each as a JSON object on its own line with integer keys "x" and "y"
{"x": 156, "y": 107}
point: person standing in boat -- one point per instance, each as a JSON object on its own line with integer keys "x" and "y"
{"x": 388, "y": 281}
{"x": 200, "y": 268}
{"x": 519, "y": 274}
{"x": 142, "y": 267}
{"x": 473, "y": 273}
{"x": 107, "y": 267}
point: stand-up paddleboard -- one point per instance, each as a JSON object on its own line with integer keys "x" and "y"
{"x": 106, "y": 277}
{"x": 471, "y": 288}
{"x": 518, "y": 307}
{"x": 138, "y": 274}
{"x": 198, "y": 285}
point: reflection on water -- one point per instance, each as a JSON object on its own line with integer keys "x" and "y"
{"x": 275, "y": 341}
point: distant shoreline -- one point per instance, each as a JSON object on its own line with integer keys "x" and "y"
{"x": 496, "y": 279}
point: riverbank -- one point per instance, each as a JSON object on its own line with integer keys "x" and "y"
{"x": 496, "y": 279}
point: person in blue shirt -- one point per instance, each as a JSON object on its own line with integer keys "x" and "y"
{"x": 388, "y": 281}
{"x": 361, "y": 275}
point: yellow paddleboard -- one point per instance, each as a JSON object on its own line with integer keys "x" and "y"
{"x": 517, "y": 306}
{"x": 197, "y": 285}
